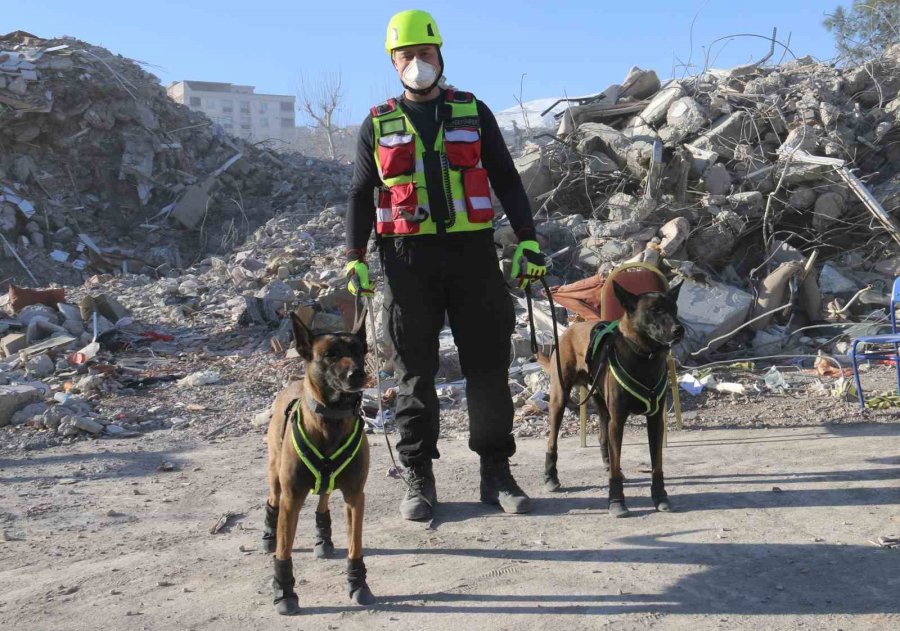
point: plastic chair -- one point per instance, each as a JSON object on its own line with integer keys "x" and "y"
{"x": 893, "y": 338}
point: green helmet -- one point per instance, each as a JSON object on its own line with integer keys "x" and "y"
{"x": 411, "y": 28}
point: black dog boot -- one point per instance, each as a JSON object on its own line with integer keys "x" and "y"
{"x": 356, "y": 583}
{"x": 324, "y": 547}
{"x": 617, "y": 506}
{"x": 286, "y": 601}
{"x": 659, "y": 495}
{"x": 269, "y": 528}
{"x": 421, "y": 485}
{"x": 551, "y": 476}
{"x": 499, "y": 487}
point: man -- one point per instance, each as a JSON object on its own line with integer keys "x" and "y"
{"x": 430, "y": 154}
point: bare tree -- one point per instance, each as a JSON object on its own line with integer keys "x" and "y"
{"x": 320, "y": 101}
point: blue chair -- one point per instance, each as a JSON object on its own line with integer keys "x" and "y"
{"x": 881, "y": 340}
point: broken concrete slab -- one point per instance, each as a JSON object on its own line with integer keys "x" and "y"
{"x": 536, "y": 176}
{"x": 15, "y": 397}
{"x": 12, "y": 343}
{"x": 709, "y": 311}
{"x": 661, "y": 103}
{"x": 686, "y": 115}
{"x": 724, "y": 134}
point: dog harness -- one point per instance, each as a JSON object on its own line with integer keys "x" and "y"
{"x": 325, "y": 469}
{"x": 650, "y": 397}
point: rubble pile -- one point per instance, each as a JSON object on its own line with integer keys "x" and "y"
{"x": 100, "y": 171}
{"x": 772, "y": 189}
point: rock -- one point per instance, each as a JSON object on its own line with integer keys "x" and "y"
{"x": 709, "y": 311}
{"x": 12, "y": 343}
{"x": 639, "y": 83}
{"x": 90, "y": 383}
{"x": 802, "y": 198}
{"x": 613, "y": 228}
{"x": 714, "y": 243}
{"x": 803, "y": 138}
{"x": 87, "y": 425}
{"x": 717, "y": 180}
{"x": 597, "y": 138}
{"x": 536, "y": 176}
{"x": 615, "y": 250}
{"x": 52, "y": 417}
{"x": 828, "y": 208}
{"x": 661, "y": 103}
{"x": 686, "y": 115}
{"x": 28, "y": 412}
{"x": 200, "y": 378}
{"x": 749, "y": 204}
{"x": 725, "y": 134}
{"x": 832, "y": 281}
{"x": 39, "y": 366}
{"x": 14, "y": 398}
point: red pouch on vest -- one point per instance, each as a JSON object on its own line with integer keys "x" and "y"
{"x": 463, "y": 147}
{"x": 397, "y": 154}
{"x": 478, "y": 195}
{"x": 404, "y": 206}
{"x": 384, "y": 216}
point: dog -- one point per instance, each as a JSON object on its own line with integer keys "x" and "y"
{"x": 317, "y": 443}
{"x": 638, "y": 347}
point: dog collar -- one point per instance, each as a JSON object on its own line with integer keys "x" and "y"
{"x": 325, "y": 469}
{"x": 335, "y": 412}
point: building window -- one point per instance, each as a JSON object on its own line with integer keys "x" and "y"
{"x": 228, "y": 106}
{"x": 264, "y": 123}
{"x": 263, "y": 107}
{"x": 195, "y": 101}
{"x": 245, "y": 126}
{"x": 286, "y": 106}
{"x": 227, "y": 123}
{"x": 245, "y": 107}
{"x": 287, "y": 123}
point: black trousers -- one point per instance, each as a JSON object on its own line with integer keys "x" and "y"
{"x": 457, "y": 275}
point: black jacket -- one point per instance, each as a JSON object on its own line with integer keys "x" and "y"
{"x": 495, "y": 159}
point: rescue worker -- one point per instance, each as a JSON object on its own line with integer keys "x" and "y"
{"x": 430, "y": 154}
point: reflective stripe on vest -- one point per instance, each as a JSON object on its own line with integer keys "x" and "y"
{"x": 403, "y": 207}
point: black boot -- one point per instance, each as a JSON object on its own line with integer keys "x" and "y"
{"x": 499, "y": 487}
{"x": 420, "y": 498}
{"x": 356, "y": 582}
{"x": 286, "y": 602}
{"x": 324, "y": 547}
{"x": 270, "y": 527}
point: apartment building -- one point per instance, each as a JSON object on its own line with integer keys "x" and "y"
{"x": 240, "y": 110}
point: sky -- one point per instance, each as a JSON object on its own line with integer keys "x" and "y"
{"x": 561, "y": 48}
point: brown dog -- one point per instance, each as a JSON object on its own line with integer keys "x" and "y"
{"x": 317, "y": 443}
{"x": 637, "y": 348}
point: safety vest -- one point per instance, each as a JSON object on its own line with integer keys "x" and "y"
{"x": 403, "y": 207}
{"x": 324, "y": 469}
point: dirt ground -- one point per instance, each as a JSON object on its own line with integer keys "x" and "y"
{"x": 772, "y": 529}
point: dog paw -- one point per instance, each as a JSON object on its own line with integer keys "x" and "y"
{"x": 362, "y": 596}
{"x": 618, "y": 509}
{"x": 662, "y": 505}
{"x": 323, "y": 550}
{"x": 288, "y": 606}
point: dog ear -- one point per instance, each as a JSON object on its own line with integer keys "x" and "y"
{"x": 302, "y": 337}
{"x": 673, "y": 291}
{"x": 627, "y": 299}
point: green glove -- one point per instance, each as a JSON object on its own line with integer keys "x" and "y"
{"x": 357, "y": 273}
{"x": 528, "y": 263}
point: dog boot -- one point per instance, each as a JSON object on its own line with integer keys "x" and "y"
{"x": 659, "y": 495}
{"x": 499, "y": 487}
{"x": 269, "y": 528}
{"x": 356, "y": 582}
{"x": 324, "y": 547}
{"x": 421, "y": 496}
{"x": 286, "y": 601}
{"x": 551, "y": 476}
{"x": 617, "y": 506}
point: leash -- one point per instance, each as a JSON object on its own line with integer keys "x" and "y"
{"x": 371, "y": 312}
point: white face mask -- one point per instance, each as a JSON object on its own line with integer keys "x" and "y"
{"x": 419, "y": 75}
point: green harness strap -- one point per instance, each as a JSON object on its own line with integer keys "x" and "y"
{"x": 650, "y": 397}
{"x": 323, "y": 467}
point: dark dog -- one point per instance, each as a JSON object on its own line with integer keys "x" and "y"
{"x": 638, "y": 347}
{"x": 327, "y": 450}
